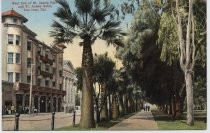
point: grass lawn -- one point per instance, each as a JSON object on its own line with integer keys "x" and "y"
{"x": 165, "y": 123}
{"x": 100, "y": 126}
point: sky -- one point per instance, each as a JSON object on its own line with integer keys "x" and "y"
{"x": 40, "y": 21}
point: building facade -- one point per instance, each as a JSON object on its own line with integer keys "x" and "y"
{"x": 26, "y": 59}
{"x": 69, "y": 86}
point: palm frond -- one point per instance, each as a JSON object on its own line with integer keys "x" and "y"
{"x": 84, "y": 6}
{"x": 98, "y": 15}
{"x": 61, "y": 33}
{"x": 63, "y": 3}
{"x": 112, "y": 34}
{"x": 106, "y": 2}
{"x": 73, "y": 20}
{"x": 62, "y": 13}
{"x": 97, "y": 3}
{"x": 111, "y": 24}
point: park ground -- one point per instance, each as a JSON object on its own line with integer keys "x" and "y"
{"x": 143, "y": 120}
{"x": 148, "y": 120}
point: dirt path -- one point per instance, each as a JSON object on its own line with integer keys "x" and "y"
{"x": 141, "y": 121}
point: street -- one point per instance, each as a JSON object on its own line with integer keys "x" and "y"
{"x": 40, "y": 122}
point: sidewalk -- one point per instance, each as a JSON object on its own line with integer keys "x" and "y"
{"x": 140, "y": 121}
{"x": 40, "y": 122}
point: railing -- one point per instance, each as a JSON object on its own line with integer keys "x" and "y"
{"x": 46, "y": 74}
{"x": 25, "y": 87}
{"x": 46, "y": 59}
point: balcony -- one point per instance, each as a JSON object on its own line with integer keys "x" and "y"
{"x": 46, "y": 74}
{"x": 39, "y": 89}
{"x": 46, "y": 59}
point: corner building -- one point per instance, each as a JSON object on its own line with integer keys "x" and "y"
{"x": 24, "y": 58}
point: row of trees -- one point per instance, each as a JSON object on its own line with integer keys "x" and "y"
{"x": 166, "y": 40}
{"x": 159, "y": 55}
{"x": 91, "y": 20}
{"x": 113, "y": 97}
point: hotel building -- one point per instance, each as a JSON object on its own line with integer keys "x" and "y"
{"x": 26, "y": 59}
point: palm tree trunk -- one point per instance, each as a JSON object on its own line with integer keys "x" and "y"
{"x": 114, "y": 107}
{"x": 104, "y": 111}
{"x": 125, "y": 102}
{"x": 87, "y": 113}
{"x": 122, "y": 107}
{"x": 110, "y": 107}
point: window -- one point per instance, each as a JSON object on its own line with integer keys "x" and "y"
{"x": 10, "y": 58}
{"x": 53, "y": 57}
{"x": 10, "y": 76}
{"x": 47, "y": 68}
{"x": 17, "y": 40}
{"x": 28, "y": 62}
{"x": 10, "y": 38}
{"x": 38, "y": 82}
{"x": 46, "y": 83}
{"x": 28, "y": 45}
{"x": 60, "y": 86}
{"x": 54, "y": 84}
{"x": 54, "y": 70}
{"x": 29, "y": 79}
{"x": 14, "y": 20}
{"x": 39, "y": 50}
{"x": 46, "y": 54}
{"x": 17, "y": 76}
{"x": 60, "y": 73}
{"x": 17, "y": 58}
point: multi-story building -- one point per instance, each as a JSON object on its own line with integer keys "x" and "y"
{"x": 24, "y": 58}
{"x": 69, "y": 86}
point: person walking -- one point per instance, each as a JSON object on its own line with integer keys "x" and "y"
{"x": 12, "y": 109}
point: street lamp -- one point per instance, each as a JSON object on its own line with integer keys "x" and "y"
{"x": 31, "y": 85}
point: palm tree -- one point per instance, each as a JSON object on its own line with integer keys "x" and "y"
{"x": 91, "y": 20}
{"x": 104, "y": 67}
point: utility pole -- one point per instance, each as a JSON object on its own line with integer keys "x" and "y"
{"x": 31, "y": 85}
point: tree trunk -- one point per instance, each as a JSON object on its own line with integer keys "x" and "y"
{"x": 97, "y": 110}
{"x": 122, "y": 107}
{"x": 87, "y": 112}
{"x": 187, "y": 56}
{"x": 190, "y": 104}
{"x": 115, "y": 112}
{"x": 104, "y": 110}
{"x": 173, "y": 110}
{"x": 125, "y": 103}
{"x": 169, "y": 112}
{"x": 110, "y": 107}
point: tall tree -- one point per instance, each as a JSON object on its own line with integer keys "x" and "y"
{"x": 187, "y": 56}
{"x": 91, "y": 20}
{"x": 104, "y": 67}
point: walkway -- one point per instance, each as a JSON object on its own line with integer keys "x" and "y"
{"x": 40, "y": 122}
{"x": 141, "y": 121}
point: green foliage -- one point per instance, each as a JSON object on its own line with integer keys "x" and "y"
{"x": 168, "y": 39}
{"x": 200, "y": 92}
{"x": 104, "y": 67}
{"x": 89, "y": 19}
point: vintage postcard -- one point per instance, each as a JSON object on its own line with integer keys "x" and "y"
{"x": 128, "y": 65}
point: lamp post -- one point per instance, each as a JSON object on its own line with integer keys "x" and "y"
{"x": 31, "y": 85}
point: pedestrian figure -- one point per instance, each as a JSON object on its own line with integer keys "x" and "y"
{"x": 74, "y": 115}
{"x": 5, "y": 110}
{"x": 12, "y": 109}
{"x": 148, "y": 108}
